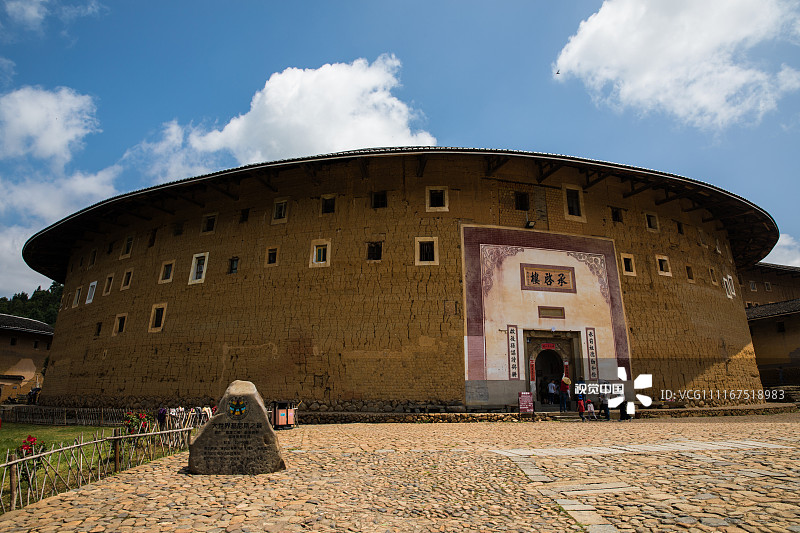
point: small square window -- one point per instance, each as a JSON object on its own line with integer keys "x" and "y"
{"x": 110, "y": 248}
{"x": 753, "y": 286}
{"x": 13, "y": 341}
{"x": 272, "y": 256}
{"x": 126, "y": 279}
{"x": 120, "y": 321}
{"x": 107, "y": 286}
{"x": 328, "y": 204}
{"x": 713, "y": 275}
{"x": 233, "y": 265}
{"x": 374, "y": 251}
{"x": 244, "y": 215}
{"x": 768, "y": 286}
{"x": 90, "y": 292}
{"x": 436, "y": 199}
{"x": 679, "y": 227}
{"x": 628, "y": 265}
{"x": 689, "y": 273}
{"x": 427, "y": 251}
{"x": 167, "y": 269}
{"x": 651, "y": 220}
{"x": 573, "y": 203}
{"x": 92, "y": 258}
{"x": 522, "y": 201}
{"x": 197, "y": 274}
{"x": 209, "y": 224}
{"x": 781, "y": 327}
{"x": 127, "y": 248}
{"x": 98, "y": 328}
{"x": 379, "y": 200}
{"x": 35, "y": 345}
{"x": 280, "y": 211}
{"x": 177, "y": 229}
{"x": 152, "y": 241}
{"x": 157, "y": 318}
{"x": 662, "y": 262}
{"x": 77, "y": 298}
{"x": 320, "y": 253}
{"x": 616, "y": 214}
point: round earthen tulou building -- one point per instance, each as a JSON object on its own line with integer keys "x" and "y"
{"x": 402, "y": 278}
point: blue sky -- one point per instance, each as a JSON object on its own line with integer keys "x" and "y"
{"x": 100, "y": 98}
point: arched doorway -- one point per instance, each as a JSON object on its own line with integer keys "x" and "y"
{"x": 549, "y": 366}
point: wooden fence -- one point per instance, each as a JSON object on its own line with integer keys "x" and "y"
{"x": 26, "y": 480}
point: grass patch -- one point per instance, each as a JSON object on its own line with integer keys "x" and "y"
{"x": 12, "y": 434}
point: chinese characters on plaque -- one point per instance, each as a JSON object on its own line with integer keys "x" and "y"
{"x": 513, "y": 353}
{"x": 547, "y": 278}
{"x": 591, "y": 349}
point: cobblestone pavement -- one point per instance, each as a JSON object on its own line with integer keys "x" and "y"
{"x": 721, "y": 474}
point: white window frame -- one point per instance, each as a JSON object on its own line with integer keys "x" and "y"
{"x": 731, "y": 285}
{"x": 312, "y": 260}
{"x": 161, "y": 279}
{"x": 439, "y": 209}
{"x": 150, "y": 327}
{"x": 90, "y": 292}
{"x": 417, "y": 261}
{"x": 77, "y": 299}
{"x": 581, "y": 204}
{"x": 622, "y": 258}
{"x": 668, "y": 272}
{"x": 285, "y": 218}
{"x": 192, "y": 280}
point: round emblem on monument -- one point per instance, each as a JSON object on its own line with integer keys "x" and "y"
{"x": 237, "y": 407}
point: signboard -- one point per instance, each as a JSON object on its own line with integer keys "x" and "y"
{"x": 525, "y": 402}
{"x": 548, "y": 278}
{"x": 591, "y": 350}
{"x": 548, "y": 346}
{"x": 513, "y": 353}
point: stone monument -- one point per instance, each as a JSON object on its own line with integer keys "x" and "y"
{"x": 238, "y": 439}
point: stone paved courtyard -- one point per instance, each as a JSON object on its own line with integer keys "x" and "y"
{"x": 701, "y": 474}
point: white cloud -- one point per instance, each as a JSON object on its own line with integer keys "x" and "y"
{"x": 684, "y": 57}
{"x": 786, "y": 252}
{"x": 299, "y": 112}
{"x": 45, "y": 124}
{"x": 17, "y": 276}
{"x": 6, "y": 70}
{"x": 29, "y": 13}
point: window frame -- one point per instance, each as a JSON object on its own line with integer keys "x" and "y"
{"x": 127, "y": 247}
{"x": 768, "y": 286}
{"x": 616, "y": 215}
{"x": 319, "y": 244}
{"x": 323, "y": 203}
{"x": 648, "y": 216}
{"x": 753, "y": 285}
{"x": 108, "y": 284}
{"x": 214, "y": 218}
{"x": 90, "y": 292}
{"x": 77, "y": 299}
{"x": 665, "y": 259}
{"x": 202, "y": 279}
{"x": 233, "y": 264}
{"x": 115, "y": 330}
{"x": 151, "y": 328}
{"x": 566, "y": 188}
{"x": 626, "y": 272}
{"x": 123, "y": 286}
{"x": 712, "y": 273}
{"x": 379, "y": 194}
{"x": 164, "y": 265}
{"x": 522, "y": 199}
{"x": 445, "y": 197}
{"x": 417, "y": 251}
{"x": 277, "y": 256}
{"x": 690, "y": 274}
{"x": 285, "y": 217}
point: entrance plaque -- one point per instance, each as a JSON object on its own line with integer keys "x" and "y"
{"x": 239, "y": 438}
{"x": 525, "y": 402}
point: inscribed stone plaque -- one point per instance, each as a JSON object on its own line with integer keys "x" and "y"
{"x": 239, "y": 438}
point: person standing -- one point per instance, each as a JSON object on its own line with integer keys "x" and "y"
{"x": 564, "y": 388}
{"x": 604, "y": 405}
{"x": 552, "y": 390}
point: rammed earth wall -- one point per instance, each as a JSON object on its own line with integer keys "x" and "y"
{"x": 371, "y": 331}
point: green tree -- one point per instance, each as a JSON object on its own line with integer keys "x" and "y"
{"x": 41, "y": 305}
